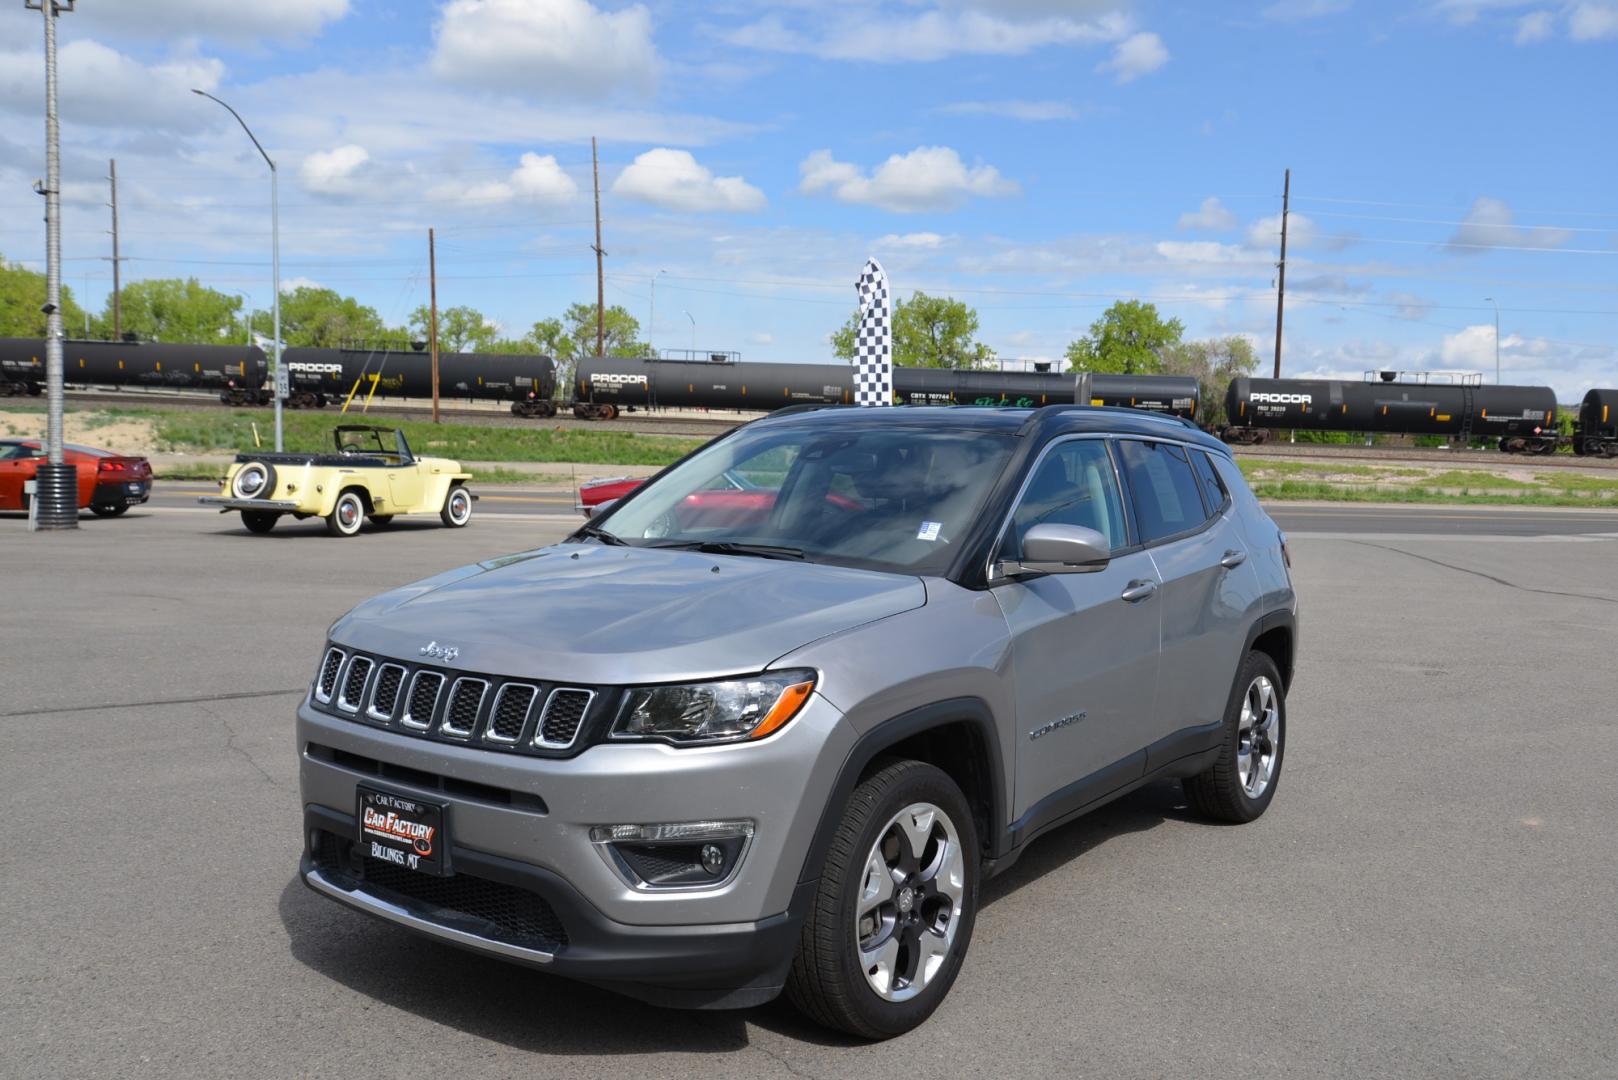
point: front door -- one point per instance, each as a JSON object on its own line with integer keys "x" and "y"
{"x": 1084, "y": 656}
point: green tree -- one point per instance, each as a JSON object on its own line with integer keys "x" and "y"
{"x": 549, "y": 338}
{"x": 1213, "y": 363}
{"x": 168, "y": 309}
{"x": 460, "y": 329}
{"x": 622, "y": 337}
{"x": 1128, "y": 339}
{"x": 324, "y": 318}
{"x": 22, "y": 293}
{"x": 928, "y": 331}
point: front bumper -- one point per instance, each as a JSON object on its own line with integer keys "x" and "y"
{"x": 522, "y": 823}
{"x": 225, "y": 502}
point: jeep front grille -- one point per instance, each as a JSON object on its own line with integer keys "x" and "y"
{"x": 564, "y": 712}
{"x": 539, "y": 718}
{"x": 461, "y": 715}
{"x": 359, "y": 669}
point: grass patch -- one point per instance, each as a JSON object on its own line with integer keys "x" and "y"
{"x": 516, "y": 476}
{"x": 1299, "y": 490}
{"x": 304, "y": 432}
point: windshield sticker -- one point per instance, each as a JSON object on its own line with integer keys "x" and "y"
{"x": 929, "y": 530}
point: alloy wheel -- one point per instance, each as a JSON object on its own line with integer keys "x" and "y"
{"x": 910, "y": 902}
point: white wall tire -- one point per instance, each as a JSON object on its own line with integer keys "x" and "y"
{"x": 347, "y": 515}
{"x": 254, "y": 480}
{"x": 457, "y": 509}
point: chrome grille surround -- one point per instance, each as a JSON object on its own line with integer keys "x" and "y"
{"x": 501, "y": 712}
{"x": 385, "y": 692}
{"x": 456, "y": 709}
{"x": 562, "y": 717}
{"x": 326, "y": 677}
{"x": 415, "y": 717}
{"x": 353, "y": 683}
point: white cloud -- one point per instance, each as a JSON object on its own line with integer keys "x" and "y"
{"x": 1014, "y": 110}
{"x": 104, "y": 88}
{"x": 673, "y": 179}
{"x": 293, "y": 284}
{"x": 916, "y": 241}
{"x": 335, "y": 171}
{"x": 1210, "y": 215}
{"x": 1200, "y": 251}
{"x": 536, "y": 179}
{"x": 1535, "y": 26}
{"x": 1593, "y": 22}
{"x": 566, "y": 48}
{"x": 1006, "y": 29}
{"x": 1295, "y": 10}
{"x": 238, "y": 22}
{"x": 1489, "y": 225}
{"x": 1302, "y": 234}
{"x": 762, "y": 338}
{"x": 927, "y": 178}
{"x": 1136, "y": 55}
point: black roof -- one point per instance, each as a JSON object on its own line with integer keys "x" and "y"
{"x": 1045, "y": 422}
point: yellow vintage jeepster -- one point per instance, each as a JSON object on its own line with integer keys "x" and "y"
{"x": 372, "y": 475}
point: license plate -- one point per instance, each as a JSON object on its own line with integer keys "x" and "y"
{"x": 403, "y": 831}
{"x": 137, "y": 489}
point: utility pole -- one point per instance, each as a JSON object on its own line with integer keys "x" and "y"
{"x": 601, "y": 288}
{"x": 55, "y": 504}
{"x": 1281, "y": 291}
{"x": 432, "y": 325}
{"x": 117, "y": 310}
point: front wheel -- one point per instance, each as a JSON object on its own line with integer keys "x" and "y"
{"x": 347, "y": 516}
{"x": 457, "y": 509}
{"x": 1241, "y": 782}
{"x": 890, "y": 922}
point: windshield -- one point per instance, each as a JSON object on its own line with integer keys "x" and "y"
{"x": 887, "y": 497}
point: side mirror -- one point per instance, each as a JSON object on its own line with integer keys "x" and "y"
{"x": 1058, "y": 549}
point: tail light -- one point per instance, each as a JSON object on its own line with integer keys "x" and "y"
{"x": 112, "y": 465}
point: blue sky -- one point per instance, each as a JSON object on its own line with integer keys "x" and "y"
{"x": 1036, "y": 158}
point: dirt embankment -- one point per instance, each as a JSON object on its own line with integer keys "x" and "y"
{"x": 121, "y": 435}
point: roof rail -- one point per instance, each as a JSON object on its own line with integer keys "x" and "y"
{"x": 1040, "y": 412}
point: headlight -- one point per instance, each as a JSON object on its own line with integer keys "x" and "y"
{"x": 728, "y": 710}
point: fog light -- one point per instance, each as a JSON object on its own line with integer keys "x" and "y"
{"x": 683, "y": 855}
{"x": 713, "y": 859}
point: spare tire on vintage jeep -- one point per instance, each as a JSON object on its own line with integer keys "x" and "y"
{"x": 254, "y": 480}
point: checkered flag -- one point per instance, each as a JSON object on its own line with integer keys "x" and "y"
{"x": 873, "y": 342}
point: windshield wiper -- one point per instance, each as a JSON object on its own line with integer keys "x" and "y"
{"x": 731, "y": 547}
{"x": 598, "y": 533}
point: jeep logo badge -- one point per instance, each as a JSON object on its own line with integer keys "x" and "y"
{"x": 434, "y": 651}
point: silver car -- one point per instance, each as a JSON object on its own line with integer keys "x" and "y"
{"x": 769, "y": 721}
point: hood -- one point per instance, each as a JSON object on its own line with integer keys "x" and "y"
{"x": 616, "y": 615}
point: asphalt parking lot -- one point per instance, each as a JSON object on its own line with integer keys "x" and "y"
{"x": 1431, "y": 894}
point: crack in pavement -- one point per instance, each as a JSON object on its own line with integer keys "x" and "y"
{"x": 148, "y": 704}
{"x": 230, "y": 744}
{"x": 1486, "y": 576}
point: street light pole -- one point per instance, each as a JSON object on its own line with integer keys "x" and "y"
{"x": 275, "y": 257}
{"x": 55, "y": 504}
{"x": 1490, "y": 299}
{"x": 651, "y": 317}
{"x": 693, "y": 333}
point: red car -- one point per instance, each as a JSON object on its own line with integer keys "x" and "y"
{"x": 739, "y": 503}
{"x": 109, "y": 483}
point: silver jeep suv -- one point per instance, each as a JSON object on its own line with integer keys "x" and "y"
{"x": 770, "y": 720}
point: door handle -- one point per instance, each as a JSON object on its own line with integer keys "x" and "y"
{"x": 1233, "y": 559}
{"x": 1137, "y": 591}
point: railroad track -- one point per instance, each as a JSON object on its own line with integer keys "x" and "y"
{"x": 638, "y": 422}
{"x": 1430, "y": 458}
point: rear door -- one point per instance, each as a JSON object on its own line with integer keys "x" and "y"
{"x": 1084, "y": 658}
{"x": 1186, "y": 520}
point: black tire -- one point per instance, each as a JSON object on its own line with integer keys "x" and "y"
{"x": 260, "y": 521}
{"x": 827, "y": 982}
{"x": 347, "y": 514}
{"x": 457, "y": 508}
{"x": 254, "y": 480}
{"x": 105, "y": 510}
{"x": 381, "y": 520}
{"x": 1220, "y": 792}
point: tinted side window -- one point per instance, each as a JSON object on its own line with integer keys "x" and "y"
{"x": 1162, "y": 489}
{"x": 1213, "y": 488}
{"x": 1074, "y": 485}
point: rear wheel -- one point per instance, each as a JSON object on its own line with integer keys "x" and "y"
{"x": 890, "y": 922}
{"x": 457, "y": 509}
{"x": 347, "y": 516}
{"x": 259, "y": 521}
{"x": 1241, "y": 782}
{"x": 106, "y": 510}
